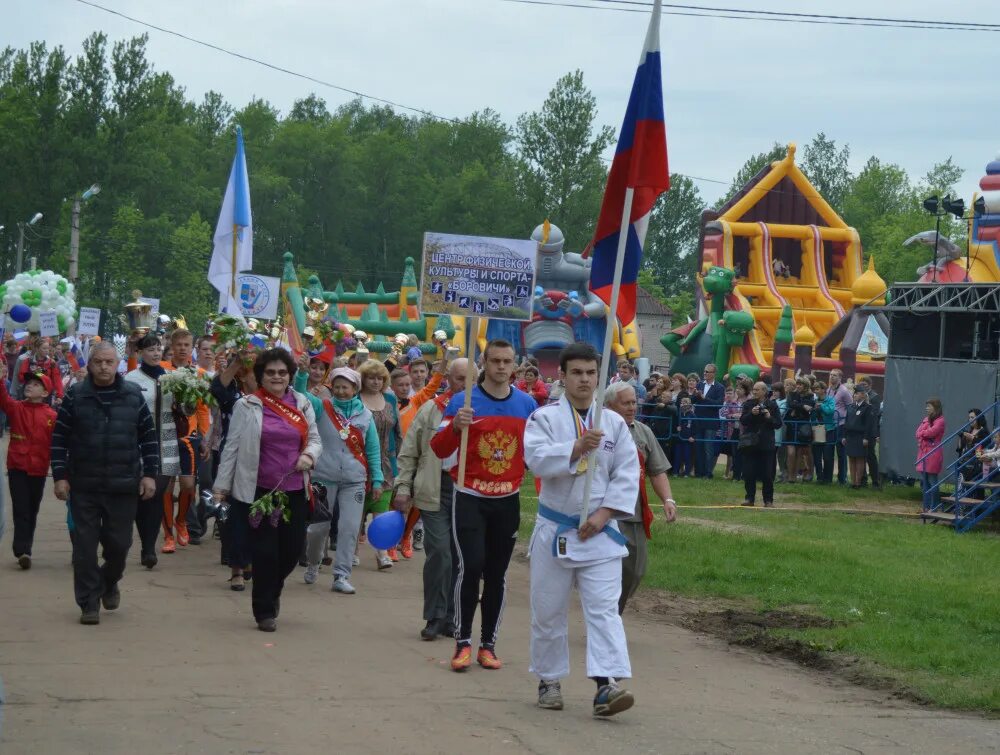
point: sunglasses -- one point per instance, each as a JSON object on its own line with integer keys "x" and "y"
{"x": 276, "y": 373}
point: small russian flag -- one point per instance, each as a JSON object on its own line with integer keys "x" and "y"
{"x": 75, "y": 357}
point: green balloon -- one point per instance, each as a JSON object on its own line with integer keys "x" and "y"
{"x": 62, "y": 323}
{"x": 36, "y": 271}
{"x": 3, "y": 292}
{"x": 32, "y": 297}
{"x": 61, "y": 287}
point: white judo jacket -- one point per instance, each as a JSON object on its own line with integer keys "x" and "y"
{"x": 549, "y": 437}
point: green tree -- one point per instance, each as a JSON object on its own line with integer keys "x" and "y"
{"x": 754, "y": 165}
{"x": 189, "y": 293}
{"x": 826, "y": 167}
{"x": 671, "y": 247}
{"x": 562, "y": 175}
{"x": 879, "y": 191}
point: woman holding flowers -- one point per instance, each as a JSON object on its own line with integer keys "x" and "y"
{"x": 161, "y": 406}
{"x": 272, "y": 444}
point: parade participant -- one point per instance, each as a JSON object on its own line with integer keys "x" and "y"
{"x": 349, "y": 467}
{"x": 38, "y": 360}
{"x": 31, "y": 423}
{"x": 272, "y": 444}
{"x": 560, "y": 446}
{"x": 653, "y": 465}
{"x": 206, "y": 355}
{"x": 487, "y": 509}
{"x": 374, "y": 377}
{"x": 161, "y": 408}
{"x": 401, "y": 385}
{"x": 234, "y": 382}
{"x": 190, "y": 448}
{"x": 419, "y": 370}
{"x": 422, "y": 484}
{"x": 104, "y": 452}
{"x": 317, "y": 369}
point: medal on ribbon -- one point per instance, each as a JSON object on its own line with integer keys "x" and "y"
{"x": 580, "y": 426}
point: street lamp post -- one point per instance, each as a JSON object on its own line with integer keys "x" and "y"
{"x": 20, "y": 239}
{"x": 74, "y": 233}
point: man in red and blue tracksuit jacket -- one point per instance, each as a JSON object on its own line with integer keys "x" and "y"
{"x": 487, "y": 508}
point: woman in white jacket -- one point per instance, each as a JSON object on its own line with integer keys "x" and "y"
{"x": 161, "y": 406}
{"x": 272, "y": 444}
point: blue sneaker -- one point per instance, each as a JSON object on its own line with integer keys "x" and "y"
{"x": 611, "y": 699}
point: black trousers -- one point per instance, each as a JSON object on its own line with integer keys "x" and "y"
{"x": 26, "y": 498}
{"x": 235, "y": 536}
{"x": 275, "y": 553}
{"x": 148, "y": 517}
{"x": 758, "y": 464}
{"x": 871, "y": 460}
{"x": 484, "y": 530}
{"x": 105, "y": 519}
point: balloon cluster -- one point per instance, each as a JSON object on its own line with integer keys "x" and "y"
{"x": 24, "y": 298}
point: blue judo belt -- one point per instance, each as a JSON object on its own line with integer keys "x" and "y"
{"x": 569, "y": 523}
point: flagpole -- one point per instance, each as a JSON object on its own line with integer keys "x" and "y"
{"x": 232, "y": 284}
{"x": 609, "y": 332}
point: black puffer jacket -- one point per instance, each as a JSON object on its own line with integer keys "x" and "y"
{"x": 104, "y": 448}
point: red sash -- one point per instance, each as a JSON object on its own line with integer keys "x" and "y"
{"x": 647, "y": 513}
{"x": 293, "y": 417}
{"x": 355, "y": 441}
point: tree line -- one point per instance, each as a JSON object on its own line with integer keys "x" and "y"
{"x": 349, "y": 192}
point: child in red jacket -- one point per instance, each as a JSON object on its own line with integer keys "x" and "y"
{"x": 31, "y": 424}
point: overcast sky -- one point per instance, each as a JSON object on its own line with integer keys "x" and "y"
{"x": 732, "y": 87}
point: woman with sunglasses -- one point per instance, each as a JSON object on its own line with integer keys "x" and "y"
{"x": 272, "y": 444}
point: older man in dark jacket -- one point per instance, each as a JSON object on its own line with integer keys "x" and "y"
{"x": 105, "y": 456}
{"x": 758, "y": 422}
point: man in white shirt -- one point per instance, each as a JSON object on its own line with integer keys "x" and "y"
{"x": 560, "y": 445}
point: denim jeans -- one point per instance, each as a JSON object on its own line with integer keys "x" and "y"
{"x": 928, "y": 481}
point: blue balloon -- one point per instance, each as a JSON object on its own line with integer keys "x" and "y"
{"x": 386, "y": 530}
{"x": 20, "y": 313}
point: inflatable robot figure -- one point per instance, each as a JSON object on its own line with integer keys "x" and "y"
{"x": 562, "y": 293}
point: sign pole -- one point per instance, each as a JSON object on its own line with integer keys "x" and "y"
{"x": 470, "y": 379}
{"x": 609, "y": 332}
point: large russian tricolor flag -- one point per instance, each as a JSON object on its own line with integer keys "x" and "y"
{"x": 640, "y": 164}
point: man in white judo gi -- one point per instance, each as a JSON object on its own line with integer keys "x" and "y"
{"x": 559, "y": 446}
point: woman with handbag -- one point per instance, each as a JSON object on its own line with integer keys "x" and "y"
{"x": 272, "y": 444}
{"x": 824, "y": 434}
{"x": 760, "y": 419}
{"x": 798, "y": 419}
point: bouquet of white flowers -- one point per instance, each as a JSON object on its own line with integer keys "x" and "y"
{"x": 188, "y": 388}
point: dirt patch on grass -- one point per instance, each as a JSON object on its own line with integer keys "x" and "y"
{"x": 738, "y": 624}
{"x": 741, "y": 529}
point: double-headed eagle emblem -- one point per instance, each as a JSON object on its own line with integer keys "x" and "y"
{"x": 497, "y": 449}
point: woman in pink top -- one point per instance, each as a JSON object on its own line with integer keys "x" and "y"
{"x": 272, "y": 444}
{"x": 930, "y": 433}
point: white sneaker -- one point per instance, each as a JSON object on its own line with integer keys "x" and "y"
{"x": 311, "y": 573}
{"x": 340, "y": 584}
{"x": 418, "y": 537}
{"x": 356, "y": 560}
{"x": 383, "y": 561}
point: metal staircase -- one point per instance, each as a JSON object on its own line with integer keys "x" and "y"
{"x": 972, "y": 500}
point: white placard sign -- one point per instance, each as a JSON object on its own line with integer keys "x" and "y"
{"x": 90, "y": 321}
{"x": 258, "y": 295}
{"x": 154, "y": 302}
{"x": 48, "y": 324}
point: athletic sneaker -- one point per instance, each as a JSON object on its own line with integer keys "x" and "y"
{"x": 611, "y": 699}
{"x": 393, "y": 553}
{"x": 487, "y": 658}
{"x": 340, "y": 584}
{"x": 169, "y": 546}
{"x": 383, "y": 561}
{"x": 356, "y": 560}
{"x": 312, "y": 572}
{"x": 418, "y": 537}
{"x": 182, "y": 534}
{"x": 406, "y": 547}
{"x": 462, "y": 658}
{"x": 550, "y": 695}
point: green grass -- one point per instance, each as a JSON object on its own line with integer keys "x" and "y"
{"x": 918, "y": 602}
